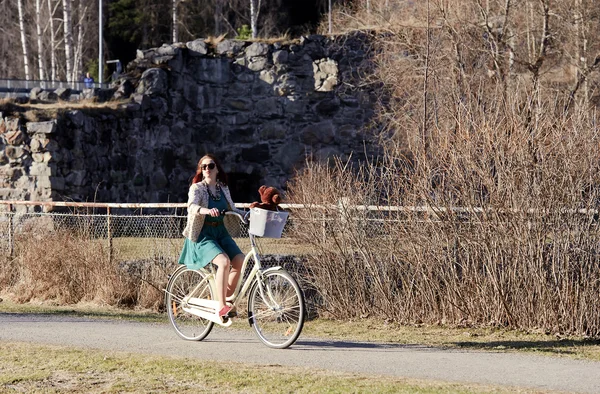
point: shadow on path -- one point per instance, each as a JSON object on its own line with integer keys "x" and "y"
{"x": 346, "y": 345}
{"x": 312, "y": 344}
{"x": 556, "y": 346}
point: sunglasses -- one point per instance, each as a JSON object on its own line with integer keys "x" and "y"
{"x": 210, "y": 166}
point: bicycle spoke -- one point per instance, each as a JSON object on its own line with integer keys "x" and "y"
{"x": 187, "y": 325}
{"x": 278, "y": 310}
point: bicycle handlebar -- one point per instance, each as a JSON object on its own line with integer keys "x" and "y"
{"x": 243, "y": 219}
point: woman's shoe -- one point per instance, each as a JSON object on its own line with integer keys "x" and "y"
{"x": 233, "y": 311}
{"x": 224, "y": 312}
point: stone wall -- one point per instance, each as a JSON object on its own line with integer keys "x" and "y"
{"x": 261, "y": 108}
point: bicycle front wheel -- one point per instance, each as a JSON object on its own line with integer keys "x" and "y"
{"x": 277, "y": 312}
{"x": 182, "y": 282}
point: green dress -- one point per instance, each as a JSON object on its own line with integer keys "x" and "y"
{"x": 212, "y": 241}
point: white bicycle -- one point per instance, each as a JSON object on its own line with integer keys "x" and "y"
{"x": 276, "y": 308}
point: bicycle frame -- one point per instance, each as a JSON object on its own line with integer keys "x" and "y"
{"x": 206, "y": 308}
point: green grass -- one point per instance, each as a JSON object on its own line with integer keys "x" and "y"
{"x": 51, "y": 369}
{"x": 129, "y": 248}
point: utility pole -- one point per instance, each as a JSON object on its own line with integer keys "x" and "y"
{"x": 100, "y": 54}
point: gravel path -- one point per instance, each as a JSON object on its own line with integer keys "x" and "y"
{"x": 505, "y": 369}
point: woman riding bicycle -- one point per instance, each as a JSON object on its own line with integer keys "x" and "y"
{"x": 206, "y": 238}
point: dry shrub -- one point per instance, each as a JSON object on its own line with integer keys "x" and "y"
{"x": 68, "y": 266}
{"x": 377, "y": 15}
{"x": 9, "y": 272}
{"x": 522, "y": 251}
{"x": 495, "y": 161}
{"x": 525, "y": 252}
{"x": 337, "y": 265}
{"x": 61, "y": 266}
{"x": 148, "y": 278}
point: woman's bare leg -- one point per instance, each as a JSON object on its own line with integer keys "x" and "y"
{"x": 222, "y": 262}
{"x": 234, "y": 274}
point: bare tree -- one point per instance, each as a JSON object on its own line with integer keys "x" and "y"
{"x": 78, "y": 57}
{"x": 425, "y": 137}
{"x": 254, "y": 12}
{"x": 7, "y": 35}
{"x": 67, "y": 28}
{"x": 51, "y": 11}
{"x": 330, "y": 18}
{"x": 23, "y": 38}
{"x": 175, "y": 27}
{"x": 516, "y": 162}
{"x": 217, "y": 17}
{"x": 38, "y": 26}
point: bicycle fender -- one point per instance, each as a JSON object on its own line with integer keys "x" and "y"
{"x": 272, "y": 269}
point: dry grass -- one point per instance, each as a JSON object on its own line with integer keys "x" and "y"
{"x": 69, "y": 267}
{"x": 467, "y": 123}
{"x": 38, "y": 112}
{"x": 381, "y": 16}
{"x": 62, "y": 105}
{"x": 52, "y": 369}
{"x": 84, "y": 103}
{"x": 283, "y": 40}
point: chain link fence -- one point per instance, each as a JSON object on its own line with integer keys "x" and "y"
{"x": 130, "y": 236}
{"x": 136, "y": 238}
{"x": 146, "y": 231}
{"x": 144, "y": 241}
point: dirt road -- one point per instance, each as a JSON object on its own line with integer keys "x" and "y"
{"x": 506, "y": 369}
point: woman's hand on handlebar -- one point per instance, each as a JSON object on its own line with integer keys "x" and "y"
{"x": 214, "y": 212}
{"x": 243, "y": 215}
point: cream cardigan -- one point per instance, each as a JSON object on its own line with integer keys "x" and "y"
{"x": 198, "y": 198}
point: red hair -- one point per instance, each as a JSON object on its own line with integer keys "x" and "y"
{"x": 221, "y": 175}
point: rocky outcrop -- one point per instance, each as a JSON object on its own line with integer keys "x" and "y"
{"x": 262, "y": 108}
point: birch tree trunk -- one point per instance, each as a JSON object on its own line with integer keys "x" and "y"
{"x": 330, "y": 18}
{"x": 52, "y": 42}
{"x": 38, "y": 25}
{"x": 254, "y": 11}
{"x": 78, "y": 61}
{"x": 175, "y": 27}
{"x": 68, "y": 38}
{"x": 23, "y": 40}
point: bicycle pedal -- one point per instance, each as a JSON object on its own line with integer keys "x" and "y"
{"x": 232, "y": 314}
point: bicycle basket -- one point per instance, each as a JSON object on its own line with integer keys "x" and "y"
{"x": 268, "y": 224}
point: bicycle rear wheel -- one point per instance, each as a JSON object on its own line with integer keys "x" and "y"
{"x": 182, "y": 282}
{"x": 277, "y": 313}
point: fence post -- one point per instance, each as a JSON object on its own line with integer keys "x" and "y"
{"x": 11, "y": 247}
{"x": 343, "y": 207}
{"x": 109, "y": 235}
{"x": 324, "y": 226}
